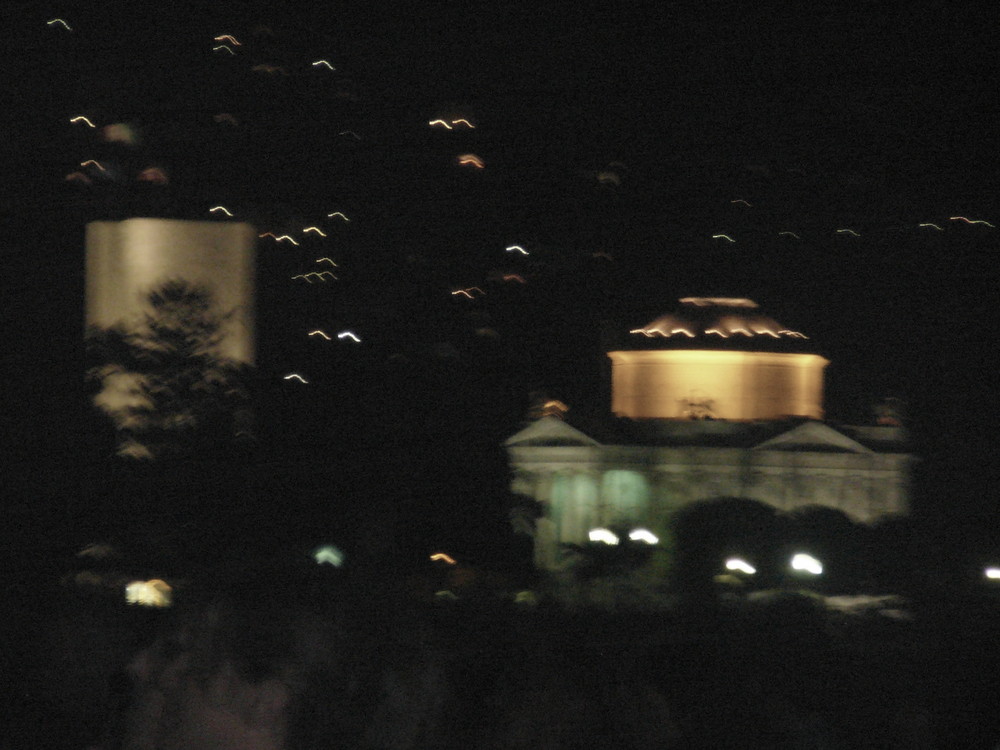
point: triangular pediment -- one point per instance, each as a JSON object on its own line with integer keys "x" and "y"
{"x": 549, "y": 431}
{"x": 813, "y": 436}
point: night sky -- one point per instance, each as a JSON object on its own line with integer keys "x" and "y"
{"x": 614, "y": 143}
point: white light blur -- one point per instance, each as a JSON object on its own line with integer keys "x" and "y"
{"x": 153, "y": 593}
{"x": 735, "y": 563}
{"x": 992, "y": 573}
{"x": 808, "y": 563}
{"x": 643, "y": 535}
{"x": 603, "y": 535}
{"x": 348, "y": 335}
{"x": 328, "y": 554}
{"x": 516, "y": 249}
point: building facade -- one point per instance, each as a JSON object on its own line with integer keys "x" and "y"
{"x": 700, "y": 418}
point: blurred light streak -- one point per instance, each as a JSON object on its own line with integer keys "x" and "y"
{"x": 992, "y": 573}
{"x": 443, "y": 557}
{"x": 78, "y": 177}
{"x": 350, "y": 132}
{"x": 464, "y": 122}
{"x": 59, "y": 20}
{"x": 789, "y": 234}
{"x": 735, "y": 563}
{"x": 602, "y": 535}
{"x": 643, "y": 535}
{"x": 321, "y": 275}
{"x": 268, "y": 234}
{"x": 318, "y": 332}
{"x": 337, "y": 213}
{"x": 471, "y": 160}
{"x": 230, "y": 37}
{"x": 220, "y": 208}
{"x": 225, "y": 47}
{"x": 154, "y": 175}
{"x": 317, "y": 230}
{"x": 432, "y": 123}
{"x": 95, "y": 163}
{"x": 970, "y": 221}
{"x": 514, "y": 277}
{"x": 723, "y": 237}
{"x": 295, "y": 376}
{"x": 283, "y": 237}
{"x": 323, "y": 62}
{"x": 740, "y": 200}
{"x": 848, "y": 231}
{"x": 328, "y": 260}
{"x": 81, "y": 117}
{"x": 152, "y": 593}
{"x": 808, "y": 563}
{"x": 931, "y": 225}
{"x": 350, "y": 335}
{"x": 516, "y": 248}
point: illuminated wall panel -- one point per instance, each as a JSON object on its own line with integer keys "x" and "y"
{"x": 128, "y": 259}
{"x": 663, "y": 384}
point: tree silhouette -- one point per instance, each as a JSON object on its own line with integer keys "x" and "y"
{"x": 164, "y": 384}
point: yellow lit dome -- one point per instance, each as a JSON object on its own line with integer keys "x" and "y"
{"x": 716, "y": 358}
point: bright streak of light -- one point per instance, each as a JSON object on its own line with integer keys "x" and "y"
{"x": 789, "y": 234}
{"x": 295, "y": 376}
{"x": 225, "y": 47}
{"x": 94, "y": 162}
{"x": 318, "y": 332}
{"x": 59, "y": 20}
{"x": 992, "y": 573}
{"x": 228, "y": 37}
{"x": 321, "y": 275}
{"x": 464, "y": 122}
{"x": 602, "y": 535}
{"x": 468, "y": 291}
{"x": 78, "y": 118}
{"x": 643, "y": 535}
{"x": 723, "y": 237}
{"x": 323, "y": 62}
{"x": 337, "y": 213}
{"x": 462, "y": 291}
{"x": 848, "y": 231}
{"x": 740, "y": 200}
{"x": 329, "y": 555}
{"x": 516, "y": 249}
{"x": 348, "y": 335}
{"x": 931, "y": 226}
{"x": 283, "y": 237}
{"x": 317, "y": 230}
{"x": 220, "y": 208}
{"x": 971, "y": 221}
{"x": 808, "y": 563}
{"x": 471, "y": 160}
{"x": 735, "y": 563}
{"x": 514, "y": 277}
{"x": 443, "y": 557}
{"x": 328, "y": 260}
{"x": 432, "y": 123}
{"x": 268, "y": 234}
{"x": 153, "y": 593}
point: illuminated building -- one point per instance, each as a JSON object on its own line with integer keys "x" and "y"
{"x": 127, "y": 260}
{"x": 717, "y": 399}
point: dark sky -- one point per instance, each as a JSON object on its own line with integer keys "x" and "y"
{"x": 822, "y": 120}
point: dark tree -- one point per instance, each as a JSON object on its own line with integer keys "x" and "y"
{"x": 166, "y": 387}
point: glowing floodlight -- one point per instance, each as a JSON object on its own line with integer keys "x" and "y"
{"x": 992, "y": 573}
{"x": 643, "y": 535}
{"x": 603, "y": 535}
{"x": 807, "y": 563}
{"x": 152, "y": 593}
{"x": 328, "y": 554}
{"x": 735, "y": 563}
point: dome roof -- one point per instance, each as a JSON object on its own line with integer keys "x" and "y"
{"x": 718, "y": 322}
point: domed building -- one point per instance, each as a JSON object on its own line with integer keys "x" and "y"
{"x": 714, "y": 399}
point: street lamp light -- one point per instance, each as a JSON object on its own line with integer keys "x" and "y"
{"x": 643, "y": 535}
{"x": 603, "y": 535}
{"x": 735, "y": 563}
{"x": 807, "y": 563}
